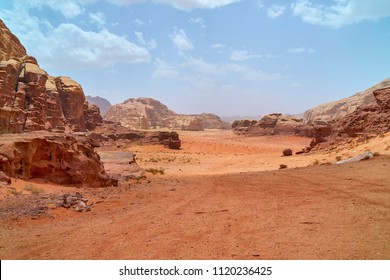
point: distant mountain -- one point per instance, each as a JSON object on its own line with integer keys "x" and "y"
{"x": 102, "y": 103}
{"x": 340, "y": 108}
{"x": 148, "y": 113}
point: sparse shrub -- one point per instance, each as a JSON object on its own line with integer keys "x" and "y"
{"x": 155, "y": 171}
{"x": 4, "y": 131}
{"x": 316, "y": 161}
{"x": 376, "y": 154}
{"x": 282, "y": 166}
{"x": 15, "y": 192}
{"x": 32, "y": 189}
{"x": 338, "y": 158}
{"x": 381, "y": 134}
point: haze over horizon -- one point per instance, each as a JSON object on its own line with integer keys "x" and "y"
{"x": 228, "y": 57}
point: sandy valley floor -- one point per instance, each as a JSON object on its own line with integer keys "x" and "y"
{"x": 221, "y": 197}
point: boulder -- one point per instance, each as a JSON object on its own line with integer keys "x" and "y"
{"x": 287, "y": 152}
{"x": 58, "y": 158}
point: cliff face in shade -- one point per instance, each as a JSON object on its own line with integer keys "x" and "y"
{"x": 148, "y": 113}
{"x": 334, "y": 110}
{"x": 32, "y": 100}
{"x": 103, "y": 104}
{"x": 58, "y": 158}
{"x": 371, "y": 118}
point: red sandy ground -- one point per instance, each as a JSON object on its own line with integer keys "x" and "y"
{"x": 221, "y": 197}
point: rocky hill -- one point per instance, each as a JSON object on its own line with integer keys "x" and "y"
{"x": 340, "y": 108}
{"x": 30, "y": 99}
{"x": 271, "y": 124}
{"x": 103, "y": 104}
{"x": 148, "y": 113}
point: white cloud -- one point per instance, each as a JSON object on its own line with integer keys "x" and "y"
{"x": 69, "y": 46}
{"x": 68, "y": 8}
{"x": 275, "y": 11}
{"x": 243, "y": 55}
{"x": 182, "y": 4}
{"x": 218, "y": 46}
{"x": 249, "y": 73}
{"x": 260, "y": 4}
{"x": 341, "y": 12}
{"x": 91, "y": 49}
{"x": 199, "y": 21}
{"x": 98, "y": 18}
{"x": 151, "y": 44}
{"x": 164, "y": 70}
{"x": 201, "y": 67}
{"x": 301, "y": 50}
{"x": 182, "y": 42}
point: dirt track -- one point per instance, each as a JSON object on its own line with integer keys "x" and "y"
{"x": 211, "y": 203}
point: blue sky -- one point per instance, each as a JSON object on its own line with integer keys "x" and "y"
{"x": 228, "y": 57}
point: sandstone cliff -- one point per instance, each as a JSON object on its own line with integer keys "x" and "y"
{"x": 148, "y": 113}
{"x": 340, "y": 108}
{"x": 103, "y": 104}
{"x": 32, "y": 100}
{"x": 271, "y": 124}
{"x": 58, "y": 158}
{"x": 371, "y": 118}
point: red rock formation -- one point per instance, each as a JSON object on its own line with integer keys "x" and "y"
{"x": 148, "y": 113}
{"x": 58, "y": 158}
{"x": 371, "y": 118}
{"x": 32, "y": 100}
{"x": 92, "y": 116}
{"x": 272, "y": 124}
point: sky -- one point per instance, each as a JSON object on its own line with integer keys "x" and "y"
{"x": 228, "y": 57}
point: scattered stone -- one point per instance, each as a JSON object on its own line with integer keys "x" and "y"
{"x": 287, "y": 152}
{"x": 76, "y": 202}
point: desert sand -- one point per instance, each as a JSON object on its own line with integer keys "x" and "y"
{"x": 221, "y": 196}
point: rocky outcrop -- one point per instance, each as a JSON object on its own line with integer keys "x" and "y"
{"x": 103, "y": 104}
{"x": 337, "y": 109}
{"x": 58, "y": 158}
{"x": 92, "y": 116}
{"x": 111, "y": 132}
{"x": 272, "y": 124}
{"x": 148, "y": 113}
{"x": 32, "y": 100}
{"x": 10, "y": 46}
{"x": 371, "y": 118}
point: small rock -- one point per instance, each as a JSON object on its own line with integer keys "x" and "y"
{"x": 287, "y": 152}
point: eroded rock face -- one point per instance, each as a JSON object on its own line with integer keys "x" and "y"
{"x": 92, "y": 116}
{"x": 370, "y": 118}
{"x": 72, "y": 100}
{"x": 10, "y": 46}
{"x": 103, "y": 104}
{"x": 272, "y": 124}
{"x": 340, "y": 108}
{"x": 115, "y": 133}
{"x": 148, "y": 113}
{"x": 58, "y": 158}
{"x": 32, "y": 100}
